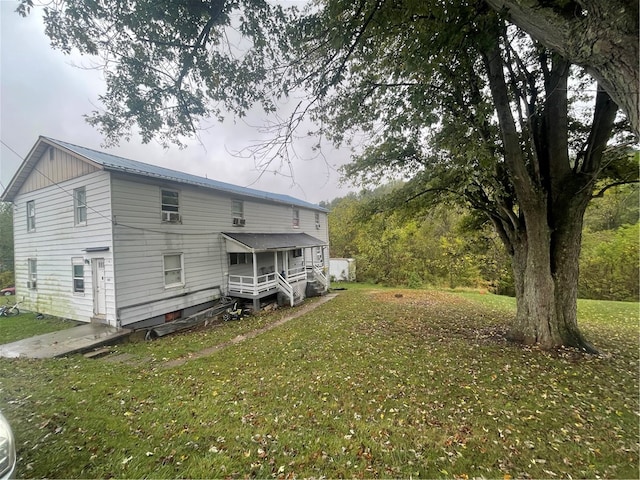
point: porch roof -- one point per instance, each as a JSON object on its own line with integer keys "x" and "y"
{"x": 273, "y": 241}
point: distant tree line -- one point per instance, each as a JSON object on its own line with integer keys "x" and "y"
{"x": 6, "y": 245}
{"x": 448, "y": 246}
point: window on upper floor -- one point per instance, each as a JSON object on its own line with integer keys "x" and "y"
{"x": 77, "y": 272}
{"x": 237, "y": 212}
{"x": 170, "y": 206}
{"x": 173, "y": 270}
{"x": 80, "y": 206}
{"x": 296, "y": 217}
{"x": 32, "y": 272}
{"x": 31, "y": 215}
{"x": 237, "y": 208}
{"x": 317, "y": 221}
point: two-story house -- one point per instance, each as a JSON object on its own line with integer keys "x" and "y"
{"x": 103, "y": 238}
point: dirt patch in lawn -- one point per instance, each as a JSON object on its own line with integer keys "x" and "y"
{"x": 415, "y": 297}
{"x": 441, "y": 316}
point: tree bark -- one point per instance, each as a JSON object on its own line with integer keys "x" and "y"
{"x": 599, "y": 35}
{"x": 552, "y": 198}
{"x": 545, "y": 268}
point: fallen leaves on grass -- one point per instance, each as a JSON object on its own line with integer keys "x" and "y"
{"x": 370, "y": 385}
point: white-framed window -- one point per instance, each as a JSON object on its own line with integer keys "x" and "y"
{"x": 237, "y": 208}
{"x": 170, "y": 206}
{"x": 31, "y": 215}
{"x": 239, "y": 258}
{"x": 80, "y": 206}
{"x": 173, "y": 269}
{"x": 237, "y": 212}
{"x": 77, "y": 273}
{"x": 32, "y": 272}
{"x": 317, "y": 216}
{"x": 297, "y": 253}
{"x": 296, "y": 218}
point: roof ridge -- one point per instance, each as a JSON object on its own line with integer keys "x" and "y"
{"x": 119, "y": 163}
{"x": 55, "y": 140}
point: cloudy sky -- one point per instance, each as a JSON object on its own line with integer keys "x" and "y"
{"x": 43, "y": 92}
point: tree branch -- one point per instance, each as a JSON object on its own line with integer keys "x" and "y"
{"x": 600, "y": 193}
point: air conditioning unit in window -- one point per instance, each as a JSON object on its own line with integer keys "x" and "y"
{"x": 317, "y": 226}
{"x": 173, "y": 217}
{"x": 239, "y": 222}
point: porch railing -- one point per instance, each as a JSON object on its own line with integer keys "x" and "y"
{"x": 285, "y": 287}
{"x": 296, "y": 274}
{"x": 252, "y": 285}
{"x": 248, "y": 284}
{"x": 320, "y": 276}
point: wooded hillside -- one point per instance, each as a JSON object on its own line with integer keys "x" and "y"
{"x": 448, "y": 246}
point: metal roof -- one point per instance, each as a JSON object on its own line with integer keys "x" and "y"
{"x": 274, "y": 241}
{"x": 120, "y": 164}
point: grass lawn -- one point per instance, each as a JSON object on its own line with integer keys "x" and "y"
{"x": 375, "y": 383}
{"x": 25, "y": 325}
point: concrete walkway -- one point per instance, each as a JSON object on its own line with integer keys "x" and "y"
{"x": 92, "y": 335}
{"x": 64, "y": 342}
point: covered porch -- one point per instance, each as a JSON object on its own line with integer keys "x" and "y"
{"x": 264, "y": 264}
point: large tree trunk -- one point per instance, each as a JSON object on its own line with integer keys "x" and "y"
{"x": 545, "y": 269}
{"x": 552, "y": 194}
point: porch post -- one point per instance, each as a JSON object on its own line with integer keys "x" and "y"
{"x": 285, "y": 258}
{"x": 275, "y": 261}
{"x": 255, "y": 272}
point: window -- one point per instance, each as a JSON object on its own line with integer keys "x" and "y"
{"x": 31, "y": 216}
{"x": 318, "y": 221}
{"x": 297, "y": 253}
{"x": 173, "y": 270}
{"x": 80, "y": 205}
{"x": 170, "y": 206}
{"x": 238, "y": 258}
{"x": 32, "y": 266}
{"x": 296, "y": 217}
{"x": 77, "y": 269}
{"x": 237, "y": 208}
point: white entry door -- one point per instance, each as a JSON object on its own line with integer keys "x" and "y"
{"x": 99, "y": 288}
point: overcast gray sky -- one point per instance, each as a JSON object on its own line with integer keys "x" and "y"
{"x": 43, "y": 92}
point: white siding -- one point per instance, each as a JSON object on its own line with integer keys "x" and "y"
{"x": 56, "y": 240}
{"x": 267, "y": 217}
{"x": 141, "y": 239}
